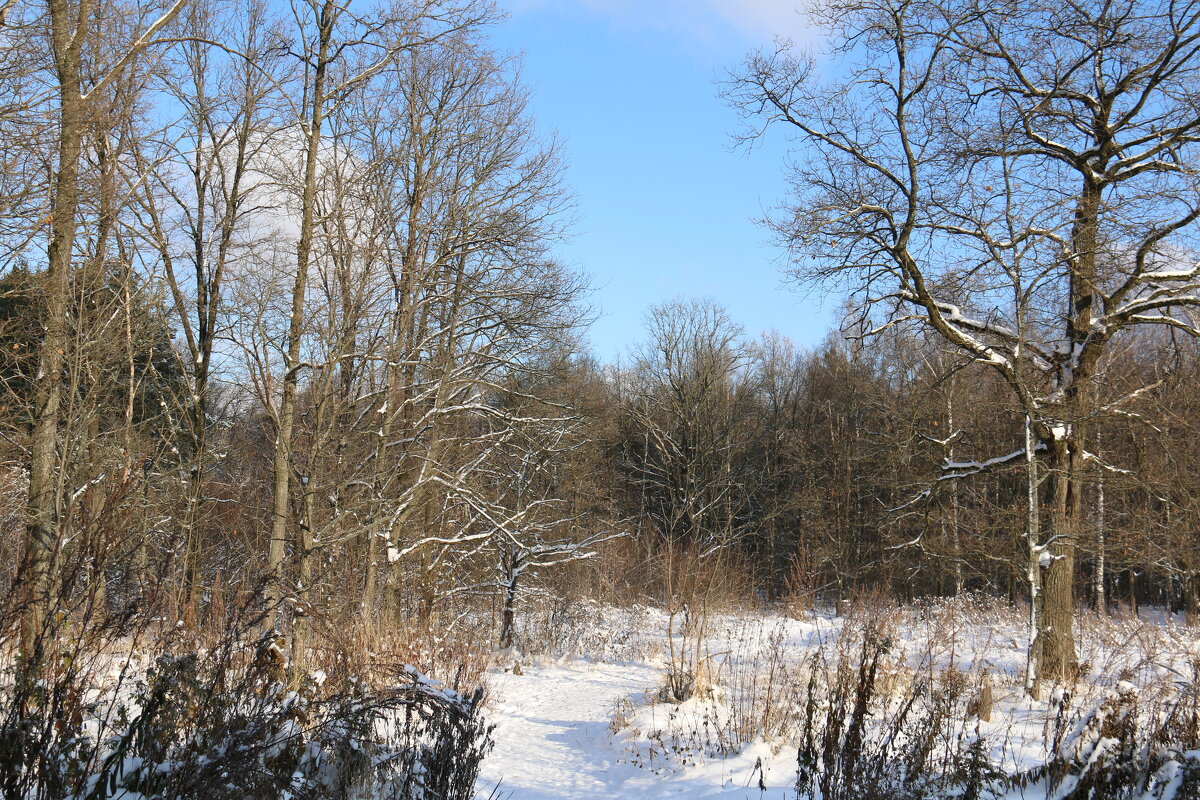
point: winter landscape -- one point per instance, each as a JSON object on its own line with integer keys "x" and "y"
{"x": 451, "y": 399}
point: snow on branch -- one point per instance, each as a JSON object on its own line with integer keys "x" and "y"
{"x": 953, "y": 470}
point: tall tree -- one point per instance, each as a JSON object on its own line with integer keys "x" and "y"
{"x": 77, "y": 85}
{"x": 1041, "y": 156}
{"x": 196, "y": 209}
{"x": 688, "y": 409}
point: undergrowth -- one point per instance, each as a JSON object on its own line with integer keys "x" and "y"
{"x": 120, "y": 711}
{"x": 925, "y": 702}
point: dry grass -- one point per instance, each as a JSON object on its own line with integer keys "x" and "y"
{"x": 456, "y": 651}
{"x": 927, "y": 701}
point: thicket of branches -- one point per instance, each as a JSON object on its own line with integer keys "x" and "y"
{"x": 826, "y": 470}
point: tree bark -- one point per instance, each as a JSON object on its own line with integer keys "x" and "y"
{"x": 1057, "y": 659}
{"x": 1100, "y": 593}
{"x": 42, "y": 516}
{"x": 508, "y": 612}
{"x": 281, "y": 485}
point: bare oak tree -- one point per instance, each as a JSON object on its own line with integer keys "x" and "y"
{"x": 1038, "y": 160}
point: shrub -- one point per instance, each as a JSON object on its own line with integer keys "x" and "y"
{"x": 1123, "y": 747}
{"x": 222, "y": 724}
{"x": 867, "y": 736}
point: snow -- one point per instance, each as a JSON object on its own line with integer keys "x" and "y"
{"x": 554, "y": 741}
{"x": 585, "y": 716}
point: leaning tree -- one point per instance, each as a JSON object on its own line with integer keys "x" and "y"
{"x": 1019, "y": 177}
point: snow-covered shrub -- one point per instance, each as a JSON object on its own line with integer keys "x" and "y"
{"x": 456, "y": 648}
{"x": 222, "y": 723}
{"x": 866, "y": 736}
{"x": 558, "y": 626}
{"x": 1123, "y": 746}
{"x": 44, "y": 749}
{"x": 675, "y": 735}
{"x": 224, "y": 730}
{"x": 48, "y": 706}
{"x": 762, "y": 683}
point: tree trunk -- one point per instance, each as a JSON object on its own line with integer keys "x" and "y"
{"x": 367, "y": 605}
{"x": 508, "y": 613}
{"x": 956, "y": 541}
{"x": 42, "y": 515}
{"x": 1191, "y": 603}
{"x": 304, "y": 578}
{"x": 1066, "y": 444}
{"x": 1056, "y": 652}
{"x": 1131, "y": 587}
{"x": 287, "y": 404}
{"x": 1100, "y": 597}
{"x": 1033, "y": 568}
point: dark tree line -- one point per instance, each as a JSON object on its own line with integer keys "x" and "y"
{"x": 864, "y": 464}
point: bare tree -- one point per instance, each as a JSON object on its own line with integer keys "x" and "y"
{"x": 197, "y": 206}
{"x": 688, "y": 408}
{"x": 470, "y": 198}
{"x": 1039, "y": 156}
{"x": 71, "y": 27}
{"x": 339, "y": 52}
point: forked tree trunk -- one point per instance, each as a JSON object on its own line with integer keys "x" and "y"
{"x": 1056, "y": 650}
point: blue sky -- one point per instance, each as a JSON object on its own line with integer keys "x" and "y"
{"x": 665, "y": 207}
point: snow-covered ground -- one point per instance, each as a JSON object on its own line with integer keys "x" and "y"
{"x": 586, "y": 716}
{"x": 591, "y": 713}
{"x": 555, "y": 741}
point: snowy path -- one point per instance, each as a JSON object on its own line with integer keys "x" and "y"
{"x": 552, "y": 730}
{"x": 553, "y": 740}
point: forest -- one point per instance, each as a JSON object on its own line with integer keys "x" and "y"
{"x": 304, "y": 452}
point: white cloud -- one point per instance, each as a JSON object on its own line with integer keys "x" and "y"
{"x": 757, "y": 21}
{"x": 769, "y": 17}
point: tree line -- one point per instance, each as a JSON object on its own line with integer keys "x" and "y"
{"x": 856, "y": 466}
